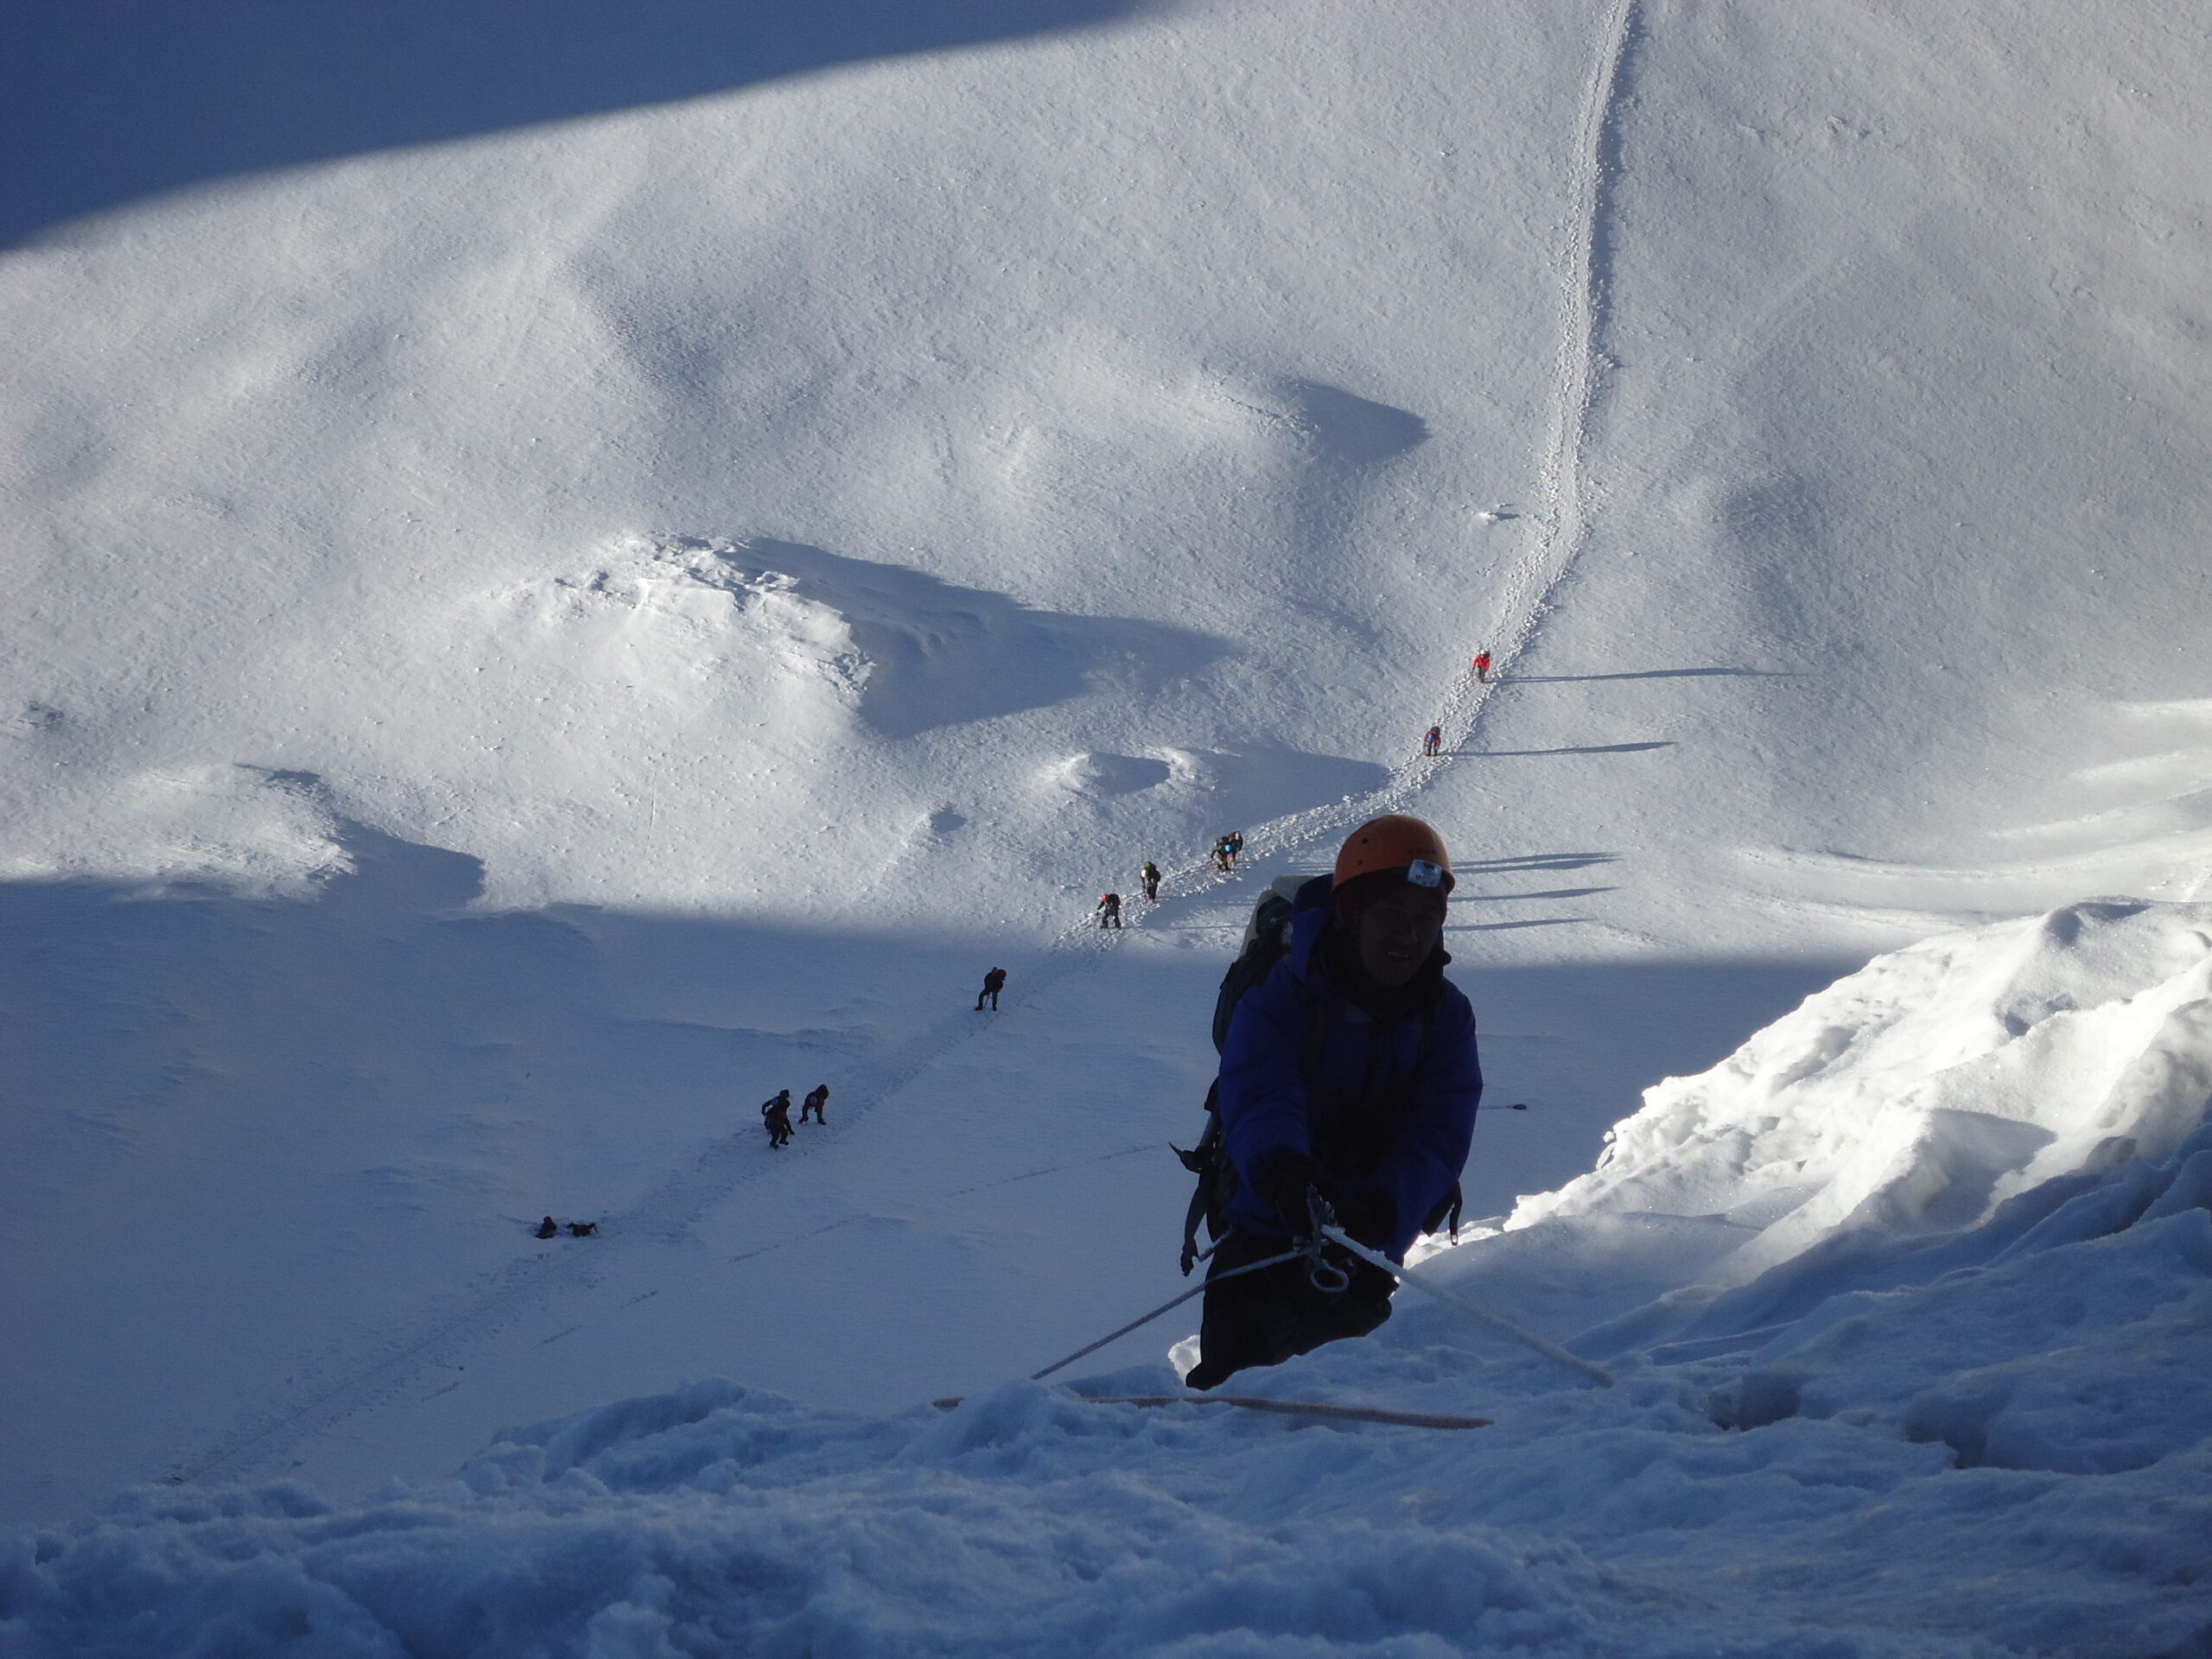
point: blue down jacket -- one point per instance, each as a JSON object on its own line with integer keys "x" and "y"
{"x": 1306, "y": 1069}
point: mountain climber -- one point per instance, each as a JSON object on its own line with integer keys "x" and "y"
{"x": 817, "y": 1098}
{"x": 1432, "y": 739}
{"x": 994, "y": 982}
{"x": 1150, "y": 876}
{"x": 1348, "y": 1084}
{"x": 1482, "y": 666}
{"x": 1110, "y": 910}
{"x": 1236, "y": 839}
{"x": 548, "y": 1228}
{"x": 1221, "y": 854}
{"x": 777, "y": 1114}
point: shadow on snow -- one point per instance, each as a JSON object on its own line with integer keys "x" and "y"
{"x": 197, "y": 1079}
{"x": 942, "y": 655}
{"x": 101, "y": 105}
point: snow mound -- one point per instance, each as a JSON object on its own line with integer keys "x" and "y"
{"x": 248, "y": 830}
{"x": 1917, "y": 1095}
{"x": 685, "y": 621}
{"x": 909, "y": 652}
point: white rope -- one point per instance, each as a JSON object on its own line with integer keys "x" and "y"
{"x": 1284, "y": 1407}
{"x": 1195, "y": 1290}
{"x": 1550, "y": 1350}
{"x": 1482, "y": 1316}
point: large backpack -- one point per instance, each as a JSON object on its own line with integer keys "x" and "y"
{"x": 1266, "y": 937}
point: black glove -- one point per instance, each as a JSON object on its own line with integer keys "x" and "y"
{"x": 1290, "y": 1181}
{"x": 1285, "y": 1181}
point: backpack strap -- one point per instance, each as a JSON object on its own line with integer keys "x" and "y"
{"x": 1216, "y": 1181}
{"x": 1265, "y": 941}
{"x": 1447, "y": 1209}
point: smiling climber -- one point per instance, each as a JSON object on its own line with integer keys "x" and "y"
{"x": 1349, "y": 1079}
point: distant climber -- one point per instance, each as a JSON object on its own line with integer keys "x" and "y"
{"x": 1348, "y": 1089}
{"x": 1482, "y": 666}
{"x": 547, "y": 1229}
{"x": 994, "y": 982}
{"x": 817, "y": 1098}
{"x": 1235, "y": 847}
{"x": 1110, "y": 910}
{"x": 1432, "y": 739}
{"x": 1221, "y": 854}
{"x": 777, "y": 1114}
{"x": 582, "y": 1228}
{"x": 1150, "y": 876}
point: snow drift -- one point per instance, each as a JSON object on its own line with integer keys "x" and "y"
{"x": 1917, "y": 1095}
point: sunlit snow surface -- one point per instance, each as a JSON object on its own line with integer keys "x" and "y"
{"x": 567, "y": 568}
{"x": 1910, "y": 1302}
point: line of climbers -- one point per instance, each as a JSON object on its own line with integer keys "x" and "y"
{"x": 1347, "y": 1093}
{"x": 1226, "y": 849}
{"x": 1108, "y": 910}
{"x": 776, "y": 1113}
{"x": 1432, "y": 740}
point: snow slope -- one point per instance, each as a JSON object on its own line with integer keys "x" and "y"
{"x": 1946, "y": 1421}
{"x": 1207, "y": 403}
{"x": 532, "y": 630}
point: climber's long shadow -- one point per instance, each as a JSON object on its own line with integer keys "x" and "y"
{"x": 1537, "y": 861}
{"x": 1594, "y": 748}
{"x": 101, "y": 105}
{"x": 1463, "y": 897}
{"x": 1648, "y": 674}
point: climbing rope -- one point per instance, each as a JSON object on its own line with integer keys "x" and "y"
{"x": 1482, "y": 1316}
{"x": 1312, "y": 1248}
{"x": 1328, "y": 1278}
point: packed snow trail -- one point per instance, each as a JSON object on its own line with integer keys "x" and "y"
{"x": 1584, "y": 240}
{"x": 665, "y": 1215}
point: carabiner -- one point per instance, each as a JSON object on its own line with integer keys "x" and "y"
{"x": 1324, "y": 1275}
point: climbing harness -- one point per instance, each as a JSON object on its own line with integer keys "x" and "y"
{"x": 1324, "y": 1275}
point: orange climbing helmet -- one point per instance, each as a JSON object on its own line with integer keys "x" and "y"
{"x": 1395, "y": 842}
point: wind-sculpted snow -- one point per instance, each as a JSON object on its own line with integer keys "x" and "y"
{"x": 1942, "y": 1426}
{"x": 747, "y": 622}
{"x": 1923, "y": 1090}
